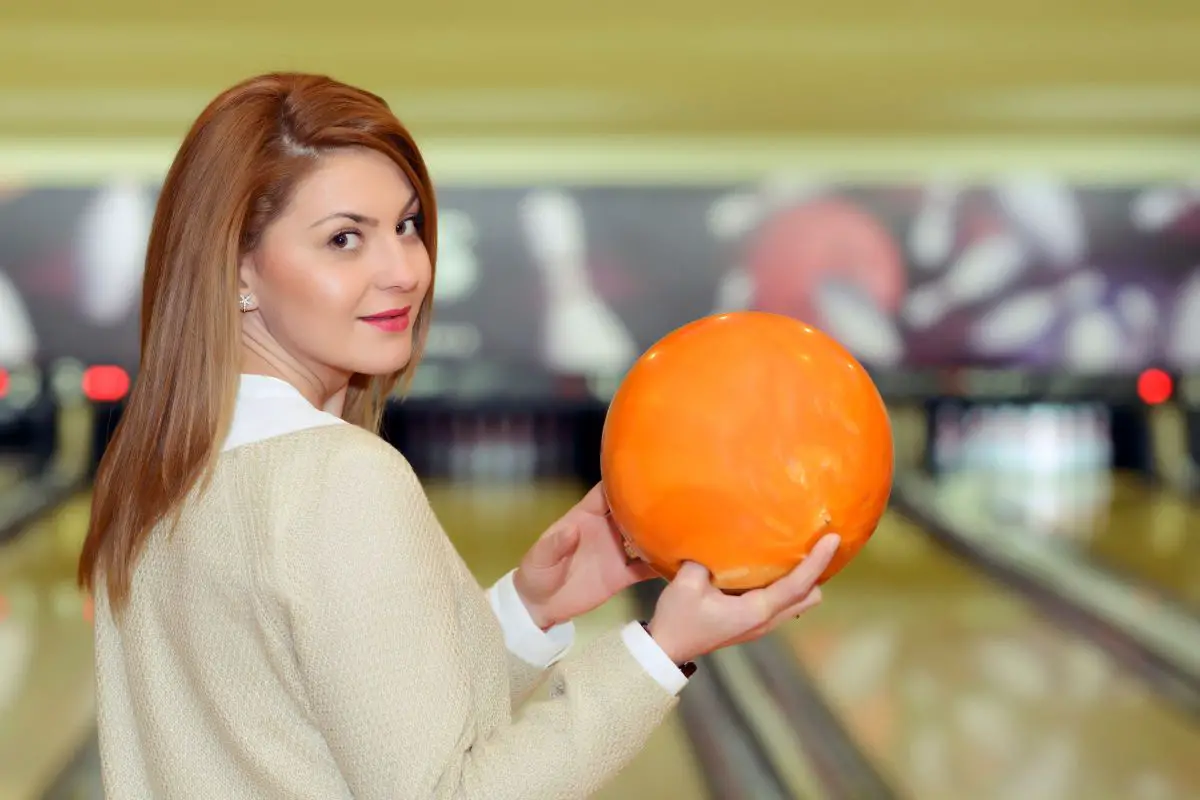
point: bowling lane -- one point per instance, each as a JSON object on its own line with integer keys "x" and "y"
{"x": 954, "y": 686}
{"x": 12, "y": 470}
{"x": 1149, "y": 533}
{"x": 492, "y": 526}
{"x": 47, "y": 702}
{"x": 1118, "y": 521}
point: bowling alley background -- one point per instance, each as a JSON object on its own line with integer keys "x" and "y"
{"x": 1028, "y": 271}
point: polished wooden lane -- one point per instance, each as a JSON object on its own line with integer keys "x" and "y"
{"x": 956, "y": 687}
{"x": 47, "y": 698}
{"x": 1120, "y": 522}
{"x": 1149, "y": 533}
{"x": 12, "y": 471}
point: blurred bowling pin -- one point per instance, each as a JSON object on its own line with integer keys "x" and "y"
{"x": 933, "y": 232}
{"x": 732, "y": 215}
{"x": 1045, "y": 211}
{"x": 849, "y": 315}
{"x": 1183, "y": 337}
{"x": 1093, "y": 342}
{"x": 18, "y": 343}
{"x": 1042, "y": 444}
{"x": 582, "y": 334}
{"x": 1159, "y": 207}
{"x": 111, "y": 251}
{"x": 1020, "y": 321}
{"x": 735, "y": 292}
{"x": 983, "y": 271}
{"x": 1015, "y": 323}
{"x": 457, "y": 265}
{"x": 1139, "y": 313}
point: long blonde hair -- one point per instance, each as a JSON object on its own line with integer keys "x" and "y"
{"x": 233, "y": 175}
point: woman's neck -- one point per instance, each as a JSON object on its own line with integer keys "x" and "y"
{"x": 326, "y": 392}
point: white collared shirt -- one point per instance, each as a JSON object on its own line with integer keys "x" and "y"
{"x": 268, "y": 407}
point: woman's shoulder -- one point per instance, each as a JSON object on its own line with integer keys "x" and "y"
{"x": 348, "y": 480}
{"x": 322, "y": 462}
{"x": 329, "y": 455}
{"x": 339, "y": 477}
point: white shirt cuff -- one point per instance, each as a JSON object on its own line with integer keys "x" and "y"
{"x": 522, "y": 635}
{"x": 652, "y": 658}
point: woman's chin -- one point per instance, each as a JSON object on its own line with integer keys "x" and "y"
{"x": 384, "y": 364}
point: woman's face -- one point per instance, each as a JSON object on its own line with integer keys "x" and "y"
{"x": 338, "y": 278}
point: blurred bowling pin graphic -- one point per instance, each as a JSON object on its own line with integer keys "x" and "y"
{"x": 1093, "y": 342}
{"x": 730, "y": 217}
{"x": 1138, "y": 311}
{"x": 111, "y": 251}
{"x": 933, "y": 233}
{"x": 457, "y": 264}
{"x": 582, "y": 334}
{"x": 18, "y": 342}
{"x": 984, "y": 270}
{"x": 1183, "y": 335}
{"x": 1044, "y": 224}
{"x": 1160, "y": 207}
{"x": 849, "y": 315}
{"x": 1023, "y": 319}
{"x": 735, "y": 291}
{"x": 1015, "y": 323}
{"x": 1098, "y": 337}
{"x": 1045, "y": 212}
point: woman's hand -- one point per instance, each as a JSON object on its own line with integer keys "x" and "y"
{"x": 694, "y": 618}
{"x": 577, "y": 565}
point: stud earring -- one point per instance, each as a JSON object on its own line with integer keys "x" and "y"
{"x": 246, "y": 302}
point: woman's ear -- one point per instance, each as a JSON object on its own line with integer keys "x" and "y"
{"x": 246, "y": 274}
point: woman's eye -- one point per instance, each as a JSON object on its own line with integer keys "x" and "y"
{"x": 407, "y": 227}
{"x": 346, "y": 240}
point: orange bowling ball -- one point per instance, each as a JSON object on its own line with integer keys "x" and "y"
{"x": 737, "y": 441}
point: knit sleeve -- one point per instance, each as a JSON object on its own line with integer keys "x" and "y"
{"x": 371, "y": 597}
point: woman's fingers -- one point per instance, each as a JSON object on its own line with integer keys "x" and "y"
{"x": 795, "y": 610}
{"x": 796, "y": 585}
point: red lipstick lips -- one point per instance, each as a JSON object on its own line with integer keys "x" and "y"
{"x": 394, "y": 320}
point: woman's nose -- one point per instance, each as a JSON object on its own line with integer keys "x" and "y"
{"x": 402, "y": 268}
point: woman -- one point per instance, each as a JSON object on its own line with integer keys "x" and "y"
{"x": 278, "y": 612}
